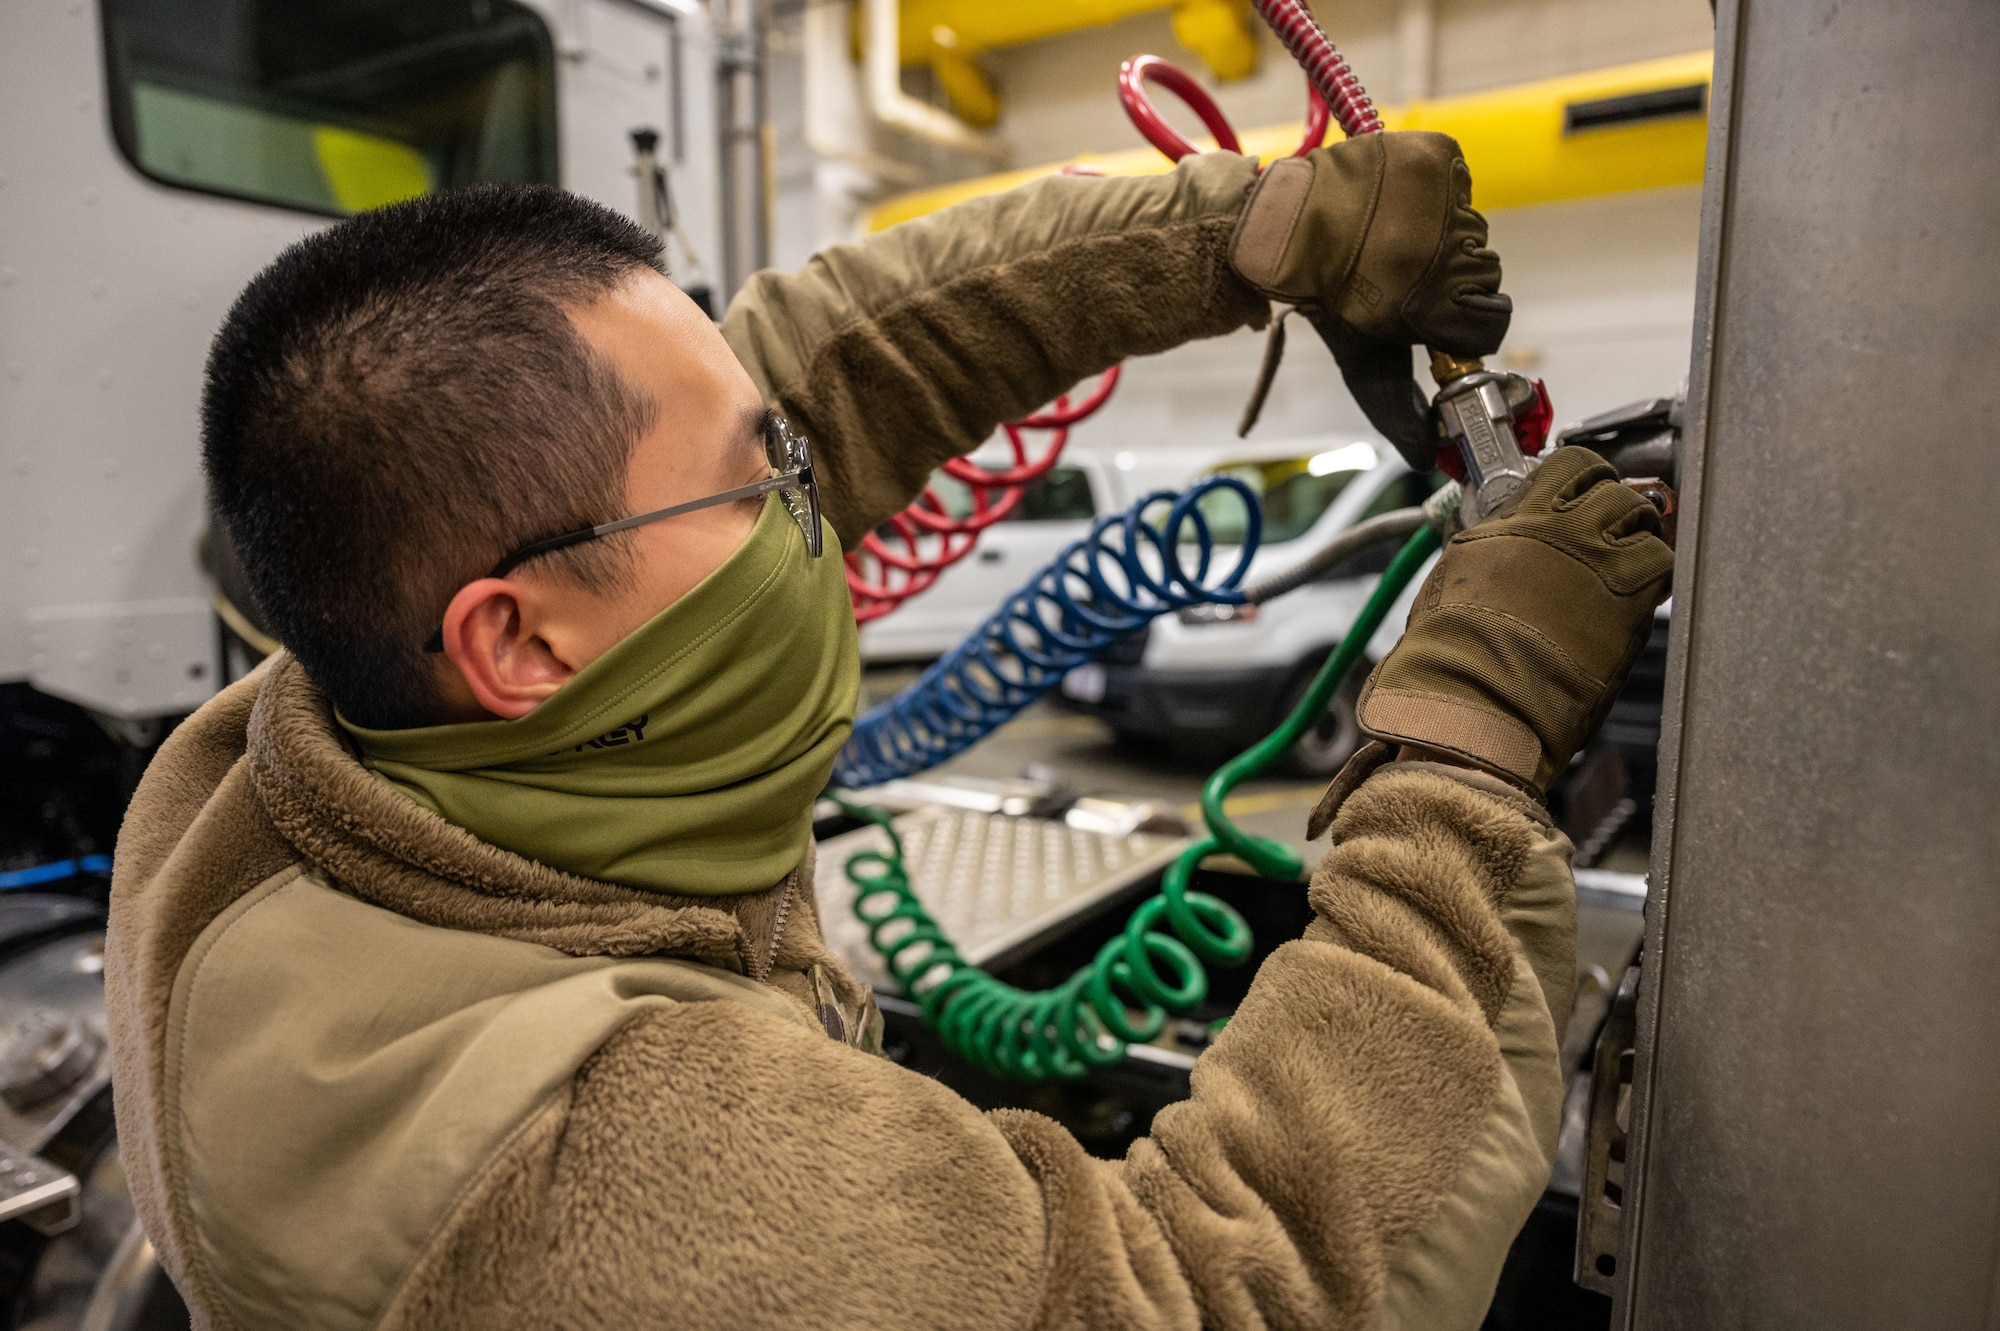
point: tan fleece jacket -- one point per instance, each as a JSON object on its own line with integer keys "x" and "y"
{"x": 371, "y": 1071}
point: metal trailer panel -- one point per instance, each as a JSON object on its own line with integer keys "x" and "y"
{"x": 1819, "y": 1056}
{"x": 112, "y": 284}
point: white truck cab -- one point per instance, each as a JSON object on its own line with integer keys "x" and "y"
{"x": 157, "y": 153}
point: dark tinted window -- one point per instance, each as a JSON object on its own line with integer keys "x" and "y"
{"x": 1061, "y": 495}
{"x": 332, "y": 106}
{"x": 1406, "y": 491}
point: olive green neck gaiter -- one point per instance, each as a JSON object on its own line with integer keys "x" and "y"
{"x": 687, "y": 758}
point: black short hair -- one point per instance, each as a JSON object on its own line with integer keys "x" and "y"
{"x": 398, "y": 401}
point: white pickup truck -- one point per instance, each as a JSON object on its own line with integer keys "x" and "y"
{"x": 1197, "y": 687}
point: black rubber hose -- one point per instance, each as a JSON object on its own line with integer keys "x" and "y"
{"x": 1381, "y": 530}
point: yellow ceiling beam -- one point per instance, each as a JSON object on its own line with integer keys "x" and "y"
{"x": 947, "y": 34}
{"x": 1519, "y": 140}
{"x": 981, "y": 25}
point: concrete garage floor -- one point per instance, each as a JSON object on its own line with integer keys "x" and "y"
{"x": 1081, "y": 748}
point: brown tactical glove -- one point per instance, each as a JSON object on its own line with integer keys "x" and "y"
{"x": 1378, "y": 232}
{"x": 1376, "y": 241}
{"x": 1524, "y": 632}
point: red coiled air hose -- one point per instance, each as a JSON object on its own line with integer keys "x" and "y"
{"x": 1153, "y": 127}
{"x": 906, "y": 554}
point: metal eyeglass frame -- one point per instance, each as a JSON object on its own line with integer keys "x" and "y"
{"x": 792, "y": 476}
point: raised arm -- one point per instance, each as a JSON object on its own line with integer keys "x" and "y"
{"x": 913, "y": 345}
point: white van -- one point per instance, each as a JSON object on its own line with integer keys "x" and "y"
{"x": 1200, "y": 687}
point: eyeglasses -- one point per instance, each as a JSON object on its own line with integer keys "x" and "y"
{"x": 791, "y": 476}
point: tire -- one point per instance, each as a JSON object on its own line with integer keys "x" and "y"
{"x": 1321, "y": 751}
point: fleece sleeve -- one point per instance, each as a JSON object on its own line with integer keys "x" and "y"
{"x": 1358, "y": 1149}
{"x": 913, "y": 345}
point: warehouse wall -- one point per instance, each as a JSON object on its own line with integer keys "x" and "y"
{"x": 1058, "y": 93}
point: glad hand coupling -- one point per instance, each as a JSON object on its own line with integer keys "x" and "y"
{"x": 1492, "y": 427}
{"x": 1499, "y": 421}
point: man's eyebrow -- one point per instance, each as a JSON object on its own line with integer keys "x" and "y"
{"x": 755, "y": 428}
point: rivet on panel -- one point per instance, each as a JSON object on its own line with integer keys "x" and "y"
{"x": 97, "y": 287}
{"x": 112, "y": 466}
{"x": 103, "y": 378}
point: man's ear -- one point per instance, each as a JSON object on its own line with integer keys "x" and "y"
{"x": 490, "y": 635}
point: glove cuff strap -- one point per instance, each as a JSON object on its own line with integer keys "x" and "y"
{"x": 1500, "y": 743}
{"x": 1264, "y": 230}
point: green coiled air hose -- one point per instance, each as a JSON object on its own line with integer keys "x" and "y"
{"x": 1144, "y": 975}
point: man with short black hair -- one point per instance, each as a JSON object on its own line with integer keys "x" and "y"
{"x": 464, "y": 968}
{"x": 451, "y": 408}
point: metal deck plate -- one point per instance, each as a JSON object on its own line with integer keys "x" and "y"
{"x": 994, "y": 883}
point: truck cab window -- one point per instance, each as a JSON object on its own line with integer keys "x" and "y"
{"x": 1061, "y": 495}
{"x": 331, "y": 106}
{"x": 1294, "y": 493}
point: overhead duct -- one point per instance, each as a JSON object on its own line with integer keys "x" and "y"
{"x": 896, "y": 109}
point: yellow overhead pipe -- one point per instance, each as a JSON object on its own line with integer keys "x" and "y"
{"x": 947, "y": 34}
{"x": 1628, "y": 127}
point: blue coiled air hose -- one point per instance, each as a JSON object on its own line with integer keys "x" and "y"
{"x": 1099, "y": 590}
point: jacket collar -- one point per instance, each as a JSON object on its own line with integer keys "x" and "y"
{"x": 373, "y": 841}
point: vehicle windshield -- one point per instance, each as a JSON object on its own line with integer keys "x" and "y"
{"x": 1295, "y": 491}
{"x": 331, "y": 106}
